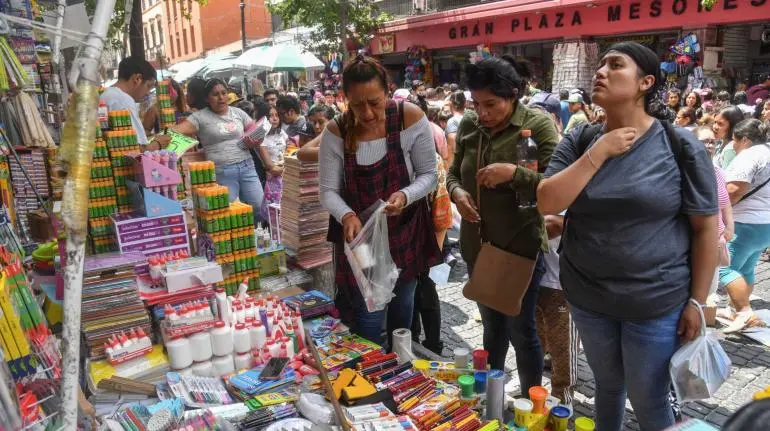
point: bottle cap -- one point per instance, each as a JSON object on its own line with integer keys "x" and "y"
{"x": 219, "y": 324}
{"x": 239, "y": 326}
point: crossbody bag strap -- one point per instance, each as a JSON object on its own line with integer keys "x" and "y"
{"x": 756, "y": 189}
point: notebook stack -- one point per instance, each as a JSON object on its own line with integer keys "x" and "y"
{"x": 110, "y": 300}
{"x": 303, "y": 221}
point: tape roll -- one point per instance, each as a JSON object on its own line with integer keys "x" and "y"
{"x": 495, "y": 395}
{"x": 402, "y": 345}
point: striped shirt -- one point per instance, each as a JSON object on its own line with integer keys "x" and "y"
{"x": 723, "y": 197}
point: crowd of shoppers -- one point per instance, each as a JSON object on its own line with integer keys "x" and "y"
{"x": 635, "y": 209}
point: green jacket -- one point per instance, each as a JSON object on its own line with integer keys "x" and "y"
{"x": 519, "y": 231}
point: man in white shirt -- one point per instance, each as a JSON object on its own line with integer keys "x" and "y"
{"x": 136, "y": 77}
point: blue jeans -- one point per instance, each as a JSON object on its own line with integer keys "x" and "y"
{"x": 399, "y": 313}
{"x": 632, "y": 356}
{"x": 745, "y": 249}
{"x": 242, "y": 183}
{"x": 521, "y": 331}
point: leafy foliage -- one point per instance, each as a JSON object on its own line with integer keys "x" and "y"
{"x": 362, "y": 19}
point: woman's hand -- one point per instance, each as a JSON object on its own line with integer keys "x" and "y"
{"x": 728, "y": 234}
{"x": 497, "y": 173}
{"x": 613, "y": 144}
{"x": 395, "y": 204}
{"x": 351, "y": 226}
{"x": 465, "y": 205}
{"x": 162, "y": 140}
{"x": 689, "y": 324}
{"x": 275, "y": 171}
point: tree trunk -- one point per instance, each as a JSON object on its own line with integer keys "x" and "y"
{"x": 135, "y": 35}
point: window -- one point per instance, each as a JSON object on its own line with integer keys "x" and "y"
{"x": 192, "y": 37}
{"x": 168, "y": 10}
{"x": 189, "y": 6}
{"x": 171, "y": 44}
{"x": 184, "y": 35}
{"x": 160, "y": 31}
{"x": 178, "y": 45}
{"x": 152, "y": 32}
{"x": 174, "y": 3}
{"x": 146, "y": 36}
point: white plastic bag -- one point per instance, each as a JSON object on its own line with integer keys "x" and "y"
{"x": 370, "y": 259}
{"x": 699, "y": 367}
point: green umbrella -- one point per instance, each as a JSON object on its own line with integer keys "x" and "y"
{"x": 279, "y": 58}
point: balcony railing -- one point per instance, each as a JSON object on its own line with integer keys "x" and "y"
{"x": 402, "y": 8}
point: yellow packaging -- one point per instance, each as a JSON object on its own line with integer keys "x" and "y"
{"x": 13, "y": 321}
{"x": 9, "y": 346}
{"x": 444, "y": 371}
{"x": 537, "y": 422}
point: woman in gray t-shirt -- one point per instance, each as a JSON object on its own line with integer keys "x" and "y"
{"x": 219, "y": 128}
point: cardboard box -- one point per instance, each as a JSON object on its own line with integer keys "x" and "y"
{"x": 188, "y": 278}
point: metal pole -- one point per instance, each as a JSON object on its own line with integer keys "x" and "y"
{"x": 60, "y": 7}
{"x": 76, "y": 151}
{"x": 243, "y": 26}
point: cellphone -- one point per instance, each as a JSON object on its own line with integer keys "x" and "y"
{"x": 273, "y": 369}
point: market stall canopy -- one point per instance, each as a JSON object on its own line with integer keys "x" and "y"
{"x": 278, "y": 57}
{"x": 161, "y": 74}
{"x": 184, "y": 71}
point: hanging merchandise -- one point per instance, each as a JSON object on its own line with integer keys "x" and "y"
{"x": 482, "y": 51}
{"x": 33, "y": 131}
{"x": 12, "y": 73}
{"x": 419, "y": 65}
{"x": 687, "y": 45}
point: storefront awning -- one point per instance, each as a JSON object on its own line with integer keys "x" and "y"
{"x": 532, "y": 20}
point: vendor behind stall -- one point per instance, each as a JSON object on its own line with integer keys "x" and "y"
{"x": 136, "y": 77}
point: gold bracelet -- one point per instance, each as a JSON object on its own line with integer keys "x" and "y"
{"x": 590, "y": 159}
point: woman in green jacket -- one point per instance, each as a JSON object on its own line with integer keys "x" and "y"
{"x": 507, "y": 216}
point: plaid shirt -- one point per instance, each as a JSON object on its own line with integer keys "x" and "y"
{"x": 413, "y": 244}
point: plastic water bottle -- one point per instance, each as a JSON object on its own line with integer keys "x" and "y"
{"x": 527, "y": 156}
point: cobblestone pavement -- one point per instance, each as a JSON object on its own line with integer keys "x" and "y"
{"x": 751, "y": 361}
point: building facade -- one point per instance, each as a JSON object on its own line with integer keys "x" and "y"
{"x": 183, "y": 29}
{"x": 221, "y": 24}
{"x": 153, "y": 26}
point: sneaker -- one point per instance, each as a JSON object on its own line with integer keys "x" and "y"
{"x": 547, "y": 365}
{"x": 744, "y": 320}
{"x": 675, "y": 408}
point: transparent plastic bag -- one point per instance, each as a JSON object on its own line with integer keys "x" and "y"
{"x": 699, "y": 367}
{"x": 370, "y": 259}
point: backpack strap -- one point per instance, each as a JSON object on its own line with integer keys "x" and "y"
{"x": 675, "y": 141}
{"x": 587, "y": 134}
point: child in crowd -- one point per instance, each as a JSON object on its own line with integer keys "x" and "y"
{"x": 554, "y": 324}
{"x": 271, "y": 152}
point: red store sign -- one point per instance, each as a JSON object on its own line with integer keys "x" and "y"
{"x": 552, "y": 20}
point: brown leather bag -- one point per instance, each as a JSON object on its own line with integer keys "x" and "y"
{"x": 500, "y": 278}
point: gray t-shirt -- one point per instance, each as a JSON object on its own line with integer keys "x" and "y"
{"x": 626, "y": 250}
{"x": 219, "y": 134}
{"x": 453, "y": 123}
{"x": 118, "y": 100}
